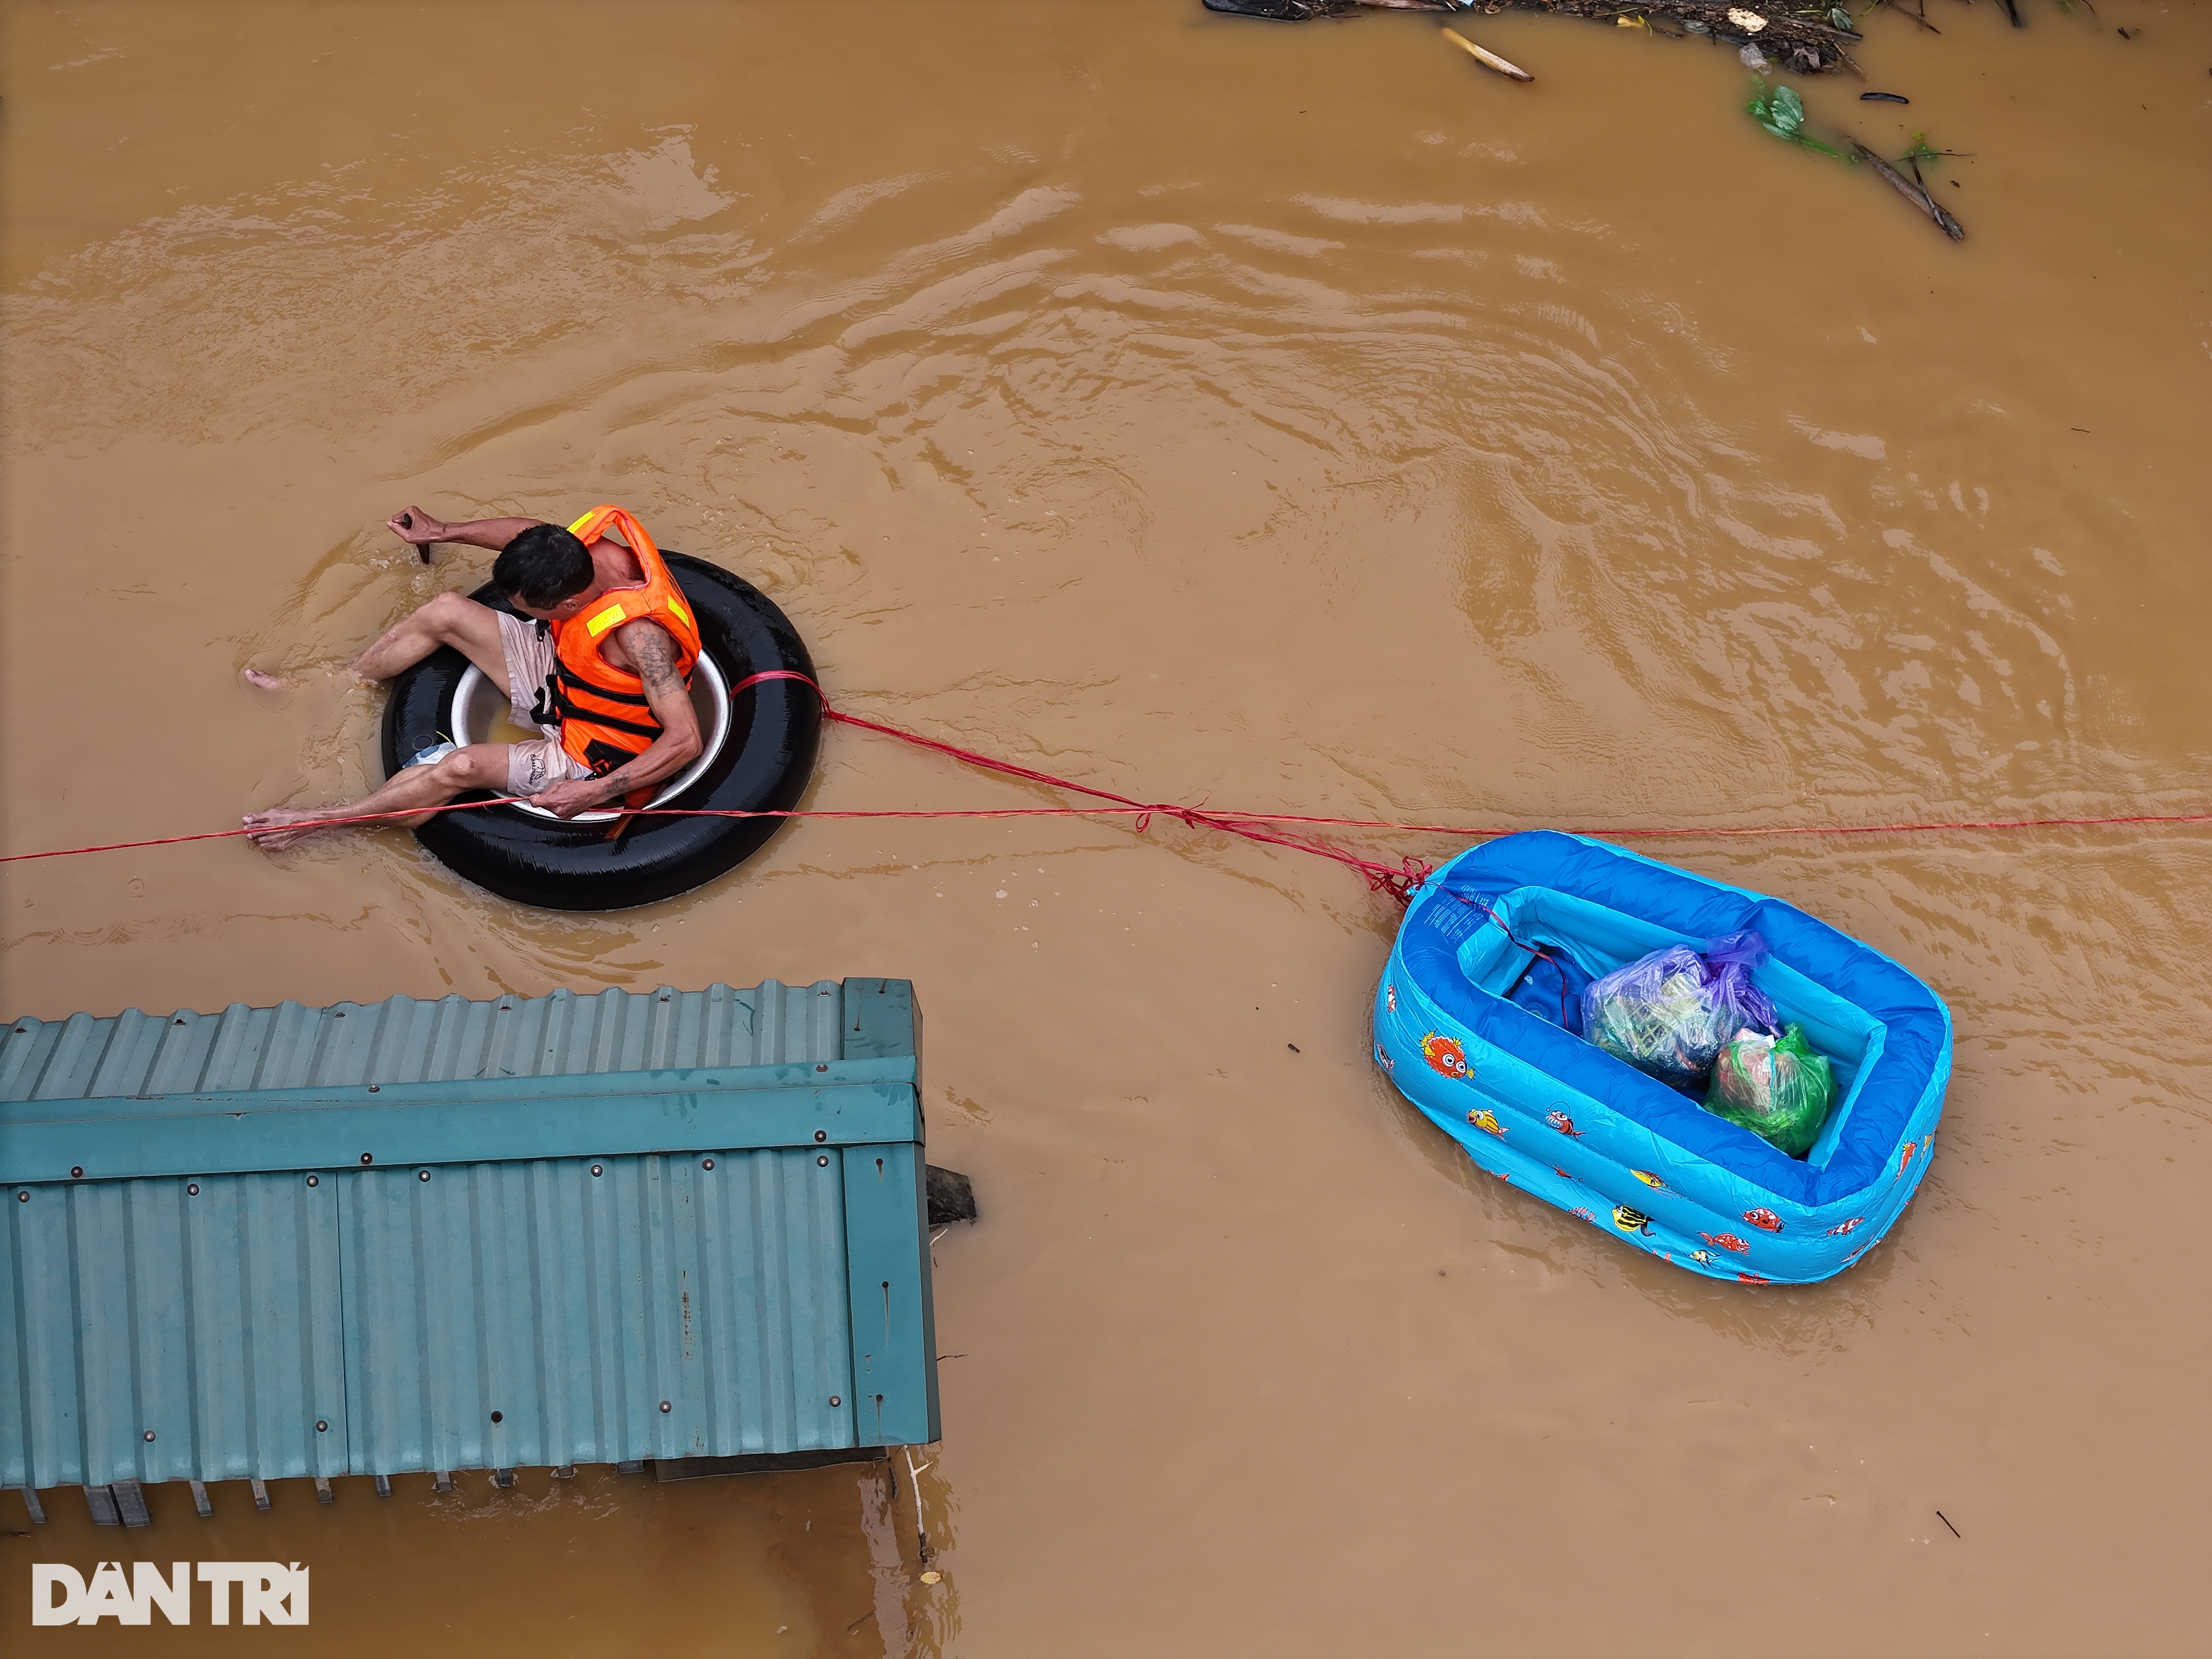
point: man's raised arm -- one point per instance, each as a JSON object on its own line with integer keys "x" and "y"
{"x": 418, "y": 529}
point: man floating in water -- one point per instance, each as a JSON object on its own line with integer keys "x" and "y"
{"x": 599, "y": 662}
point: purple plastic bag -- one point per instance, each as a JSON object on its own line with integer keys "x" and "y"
{"x": 1729, "y": 961}
{"x": 1670, "y": 1012}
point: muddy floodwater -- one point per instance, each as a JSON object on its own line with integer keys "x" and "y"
{"x": 1294, "y": 416}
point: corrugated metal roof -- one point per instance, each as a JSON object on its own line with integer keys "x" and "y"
{"x": 401, "y": 1040}
{"x": 411, "y": 1235}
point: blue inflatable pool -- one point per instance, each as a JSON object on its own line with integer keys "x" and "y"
{"x": 1468, "y": 1024}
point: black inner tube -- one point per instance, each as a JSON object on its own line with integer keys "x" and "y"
{"x": 764, "y": 766}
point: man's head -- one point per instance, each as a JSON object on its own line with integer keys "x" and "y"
{"x": 545, "y": 572}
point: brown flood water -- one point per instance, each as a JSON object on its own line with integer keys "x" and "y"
{"x": 1296, "y": 416}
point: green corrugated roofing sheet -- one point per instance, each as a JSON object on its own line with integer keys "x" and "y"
{"x": 413, "y": 1236}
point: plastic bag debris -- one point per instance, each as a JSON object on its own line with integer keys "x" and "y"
{"x": 1668, "y": 1013}
{"x": 1777, "y": 1088}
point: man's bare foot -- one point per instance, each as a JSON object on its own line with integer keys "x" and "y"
{"x": 262, "y": 680}
{"x": 282, "y": 827}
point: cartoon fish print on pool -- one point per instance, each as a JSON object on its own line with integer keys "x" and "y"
{"x": 1562, "y": 1174}
{"x": 1565, "y": 1125}
{"x": 1383, "y": 1059}
{"x": 1444, "y": 1054}
{"x": 1390, "y": 996}
{"x": 1704, "y": 1256}
{"x": 1726, "y": 1242}
{"x": 1843, "y": 1229}
{"x": 1582, "y": 1215}
{"x": 1486, "y": 1120}
{"x": 1630, "y": 1221}
{"x": 1648, "y": 1179}
{"x": 1765, "y": 1220}
{"x": 1752, "y": 1278}
{"x": 1904, "y": 1159}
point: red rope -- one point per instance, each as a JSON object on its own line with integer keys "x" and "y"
{"x": 1399, "y": 880}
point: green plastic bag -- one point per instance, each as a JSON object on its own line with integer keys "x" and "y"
{"x": 1776, "y": 1087}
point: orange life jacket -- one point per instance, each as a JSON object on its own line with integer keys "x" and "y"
{"x": 606, "y": 720}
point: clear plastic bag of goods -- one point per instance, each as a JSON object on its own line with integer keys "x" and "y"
{"x": 1669, "y": 1013}
{"x": 1776, "y": 1087}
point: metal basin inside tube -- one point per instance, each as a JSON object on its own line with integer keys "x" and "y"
{"x": 477, "y": 700}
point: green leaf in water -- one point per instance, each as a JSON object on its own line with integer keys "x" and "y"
{"x": 1782, "y": 112}
{"x": 1840, "y": 18}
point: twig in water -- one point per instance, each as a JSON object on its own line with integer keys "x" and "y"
{"x": 1917, "y": 195}
{"x": 1946, "y": 1520}
{"x": 913, "y": 1477}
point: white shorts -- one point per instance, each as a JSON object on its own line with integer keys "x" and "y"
{"x": 539, "y": 762}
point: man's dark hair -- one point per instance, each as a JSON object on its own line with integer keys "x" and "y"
{"x": 542, "y": 567}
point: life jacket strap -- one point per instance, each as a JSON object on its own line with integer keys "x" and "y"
{"x": 570, "y": 709}
{"x": 580, "y": 683}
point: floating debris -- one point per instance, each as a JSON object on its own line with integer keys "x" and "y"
{"x": 1918, "y": 194}
{"x": 1284, "y": 11}
{"x": 1808, "y": 38}
{"x": 1488, "y": 59}
{"x": 1883, "y": 98}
